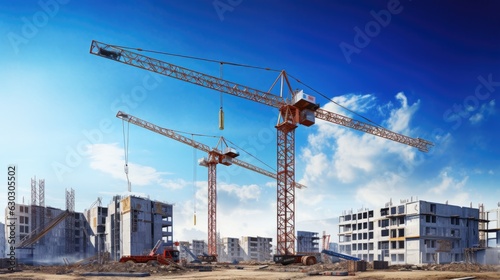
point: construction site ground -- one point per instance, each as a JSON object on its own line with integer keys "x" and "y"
{"x": 247, "y": 270}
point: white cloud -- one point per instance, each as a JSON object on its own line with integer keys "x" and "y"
{"x": 242, "y": 192}
{"x": 354, "y": 102}
{"x": 317, "y": 164}
{"x": 109, "y": 158}
{"x": 448, "y": 183}
{"x": 232, "y": 221}
{"x": 399, "y": 120}
{"x": 185, "y": 228}
{"x": 476, "y": 118}
{"x": 337, "y": 152}
{"x": 271, "y": 184}
{"x": 485, "y": 110}
{"x": 352, "y": 155}
{"x": 375, "y": 193}
{"x": 175, "y": 183}
{"x": 347, "y": 168}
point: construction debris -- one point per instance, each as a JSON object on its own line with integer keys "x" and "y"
{"x": 118, "y": 269}
{"x": 118, "y": 274}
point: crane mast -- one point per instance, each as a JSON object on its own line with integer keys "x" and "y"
{"x": 215, "y": 156}
{"x": 291, "y": 112}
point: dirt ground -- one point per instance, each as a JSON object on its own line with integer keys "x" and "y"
{"x": 249, "y": 271}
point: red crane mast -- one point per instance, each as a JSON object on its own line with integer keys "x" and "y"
{"x": 215, "y": 156}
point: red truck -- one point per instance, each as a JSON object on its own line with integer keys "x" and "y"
{"x": 168, "y": 256}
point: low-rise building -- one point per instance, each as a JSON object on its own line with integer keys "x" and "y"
{"x": 231, "y": 250}
{"x": 256, "y": 248}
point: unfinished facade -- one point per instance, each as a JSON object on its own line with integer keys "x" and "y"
{"x": 256, "y": 248}
{"x": 307, "y": 242}
{"x": 413, "y": 232}
{"x": 488, "y": 252}
{"x": 54, "y": 245}
{"x": 128, "y": 226}
{"x": 95, "y": 226}
{"x": 231, "y": 250}
{"x": 134, "y": 225}
{"x": 199, "y": 247}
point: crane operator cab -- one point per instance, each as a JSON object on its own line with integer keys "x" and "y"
{"x": 307, "y": 105}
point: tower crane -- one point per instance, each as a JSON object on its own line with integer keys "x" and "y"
{"x": 300, "y": 109}
{"x": 226, "y": 156}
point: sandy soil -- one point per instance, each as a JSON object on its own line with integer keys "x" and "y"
{"x": 251, "y": 271}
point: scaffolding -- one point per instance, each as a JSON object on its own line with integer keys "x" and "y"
{"x": 41, "y": 203}
{"x": 70, "y": 222}
{"x": 33, "y": 204}
{"x": 493, "y": 230}
{"x": 115, "y": 229}
{"x": 482, "y": 226}
{"x": 470, "y": 254}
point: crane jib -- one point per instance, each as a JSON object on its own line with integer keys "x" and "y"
{"x": 201, "y": 79}
{"x": 185, "y": 74}
{"x": 200, "y": 146}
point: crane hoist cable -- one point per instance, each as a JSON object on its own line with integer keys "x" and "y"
{"x": 125, "y": 148}
{"x": 241, "y": 149}
{"x": 199, "y": 58}
{"x": 194, "y": 181}
{"x": 221, "y": 111}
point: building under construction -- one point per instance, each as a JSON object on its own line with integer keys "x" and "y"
{"x": 420, "y": 232}
{"x": 134, "y": 224}
{"x": 307, "y": 242}
{"x": 129, "y": 225}
{"x": 46, "y": 234}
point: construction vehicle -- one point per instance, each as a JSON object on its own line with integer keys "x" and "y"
{"x": 305, "y": 259}
{"x": 207, "y": 258}
{"x": 168, "y": 256}
{"x": 155, "y": 248}
{"x": 200, "y": 258}
{"x": 339, "y": 255}
{"x": 301, "y": 109}
{"x": 195, "y": 259}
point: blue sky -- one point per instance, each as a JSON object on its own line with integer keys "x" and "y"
{"x": 426, "y": 69}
